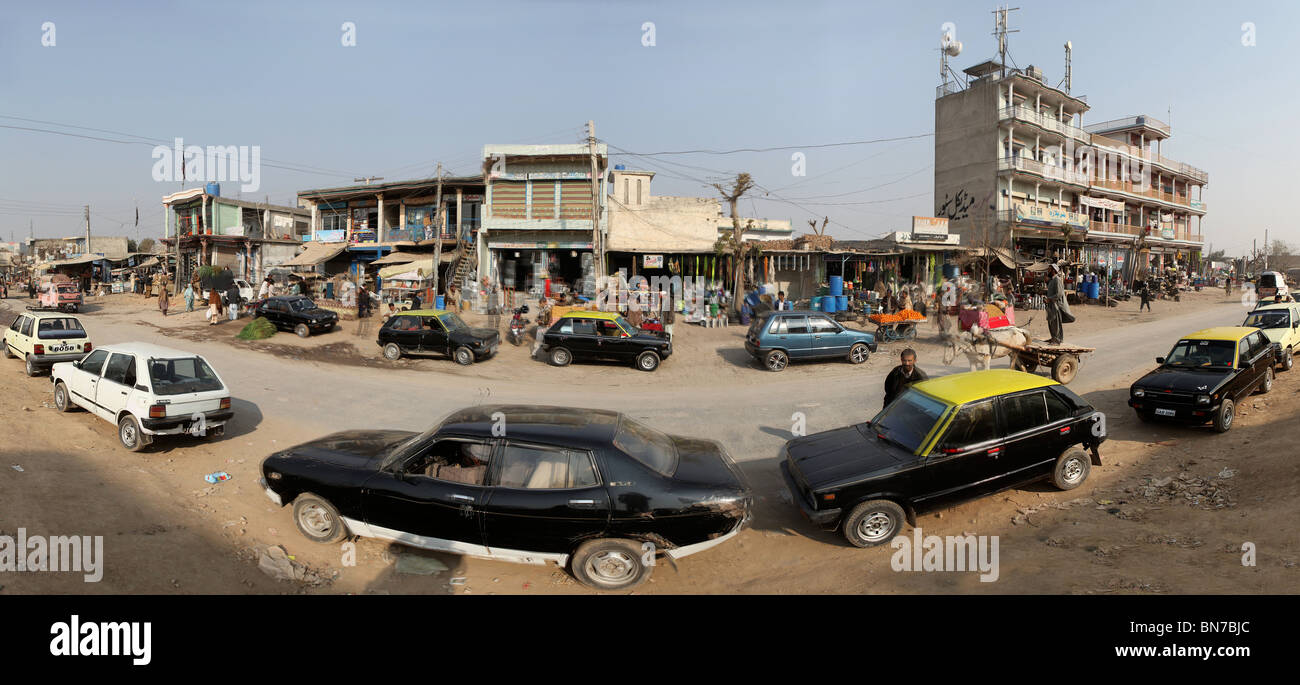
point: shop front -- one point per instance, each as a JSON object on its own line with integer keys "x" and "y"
{"x": 554, "y": 268}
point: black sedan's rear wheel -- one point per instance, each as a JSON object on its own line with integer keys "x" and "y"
{"x": 561, "y": 356}
{"x": 1266, "y": 384}
{"x": 317, "y": 519}
{"x": 392, "y": 352}
{"x": 1072, "y": 468}
{"x": 610, "y": 564}
{"x": 873, "y": 523}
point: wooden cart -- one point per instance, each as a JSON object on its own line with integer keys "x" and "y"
{"x": 1063, "y": 359}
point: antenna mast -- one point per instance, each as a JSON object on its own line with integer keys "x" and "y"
{"x": 1000, "y": 30}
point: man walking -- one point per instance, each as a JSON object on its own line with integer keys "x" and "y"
{"x": 1058, "y": 310}
{"x": 902, "y": 376}
{"x": 233, "y": 299}
{"x": 1145, "y": 294}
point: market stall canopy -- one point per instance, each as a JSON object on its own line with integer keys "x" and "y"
{"x": 75, "y": 261}
{"x": 396, "y": 258}
{"x": 316, "y": 253}
{"x": 424, "y": 266}
{"x": 152, "y": 261}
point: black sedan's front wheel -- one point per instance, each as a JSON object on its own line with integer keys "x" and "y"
{"x": 610, "y": 564}
{"x": 302, "y": 330}
{"x": 1072, "y": 468}
{"x": 1224, "y": 416}
{"x": 464, "y": 356}
{"x": 873, "y": 523}
{"x": 647, "y": 361}
{"x": 317, "y": 519}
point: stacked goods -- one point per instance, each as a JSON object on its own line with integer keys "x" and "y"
{"x": 884, "y": 318}
{"x": 910, "y": 315}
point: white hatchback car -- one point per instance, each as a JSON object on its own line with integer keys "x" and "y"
{"x": 146, "y": 390}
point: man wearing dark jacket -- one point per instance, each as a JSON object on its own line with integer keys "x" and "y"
{"x": 902, "y": 376}
{"x": 233, "y": 300}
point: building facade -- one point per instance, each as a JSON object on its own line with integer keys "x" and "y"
{"x": 205, "y": 229}
{"x": 1016, "y": 167}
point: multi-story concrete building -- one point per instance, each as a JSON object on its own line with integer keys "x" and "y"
{"x": 248, "y": 237}
{"x": 1015, "y": 166}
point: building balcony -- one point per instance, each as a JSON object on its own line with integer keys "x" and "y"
{"x": 1146, "y": 190}
{"x": 1044, "y": 121}
{"x": 1047, "y": 172}
{"x": 1133, "y": 122}
{"x": 1169, "y": 165}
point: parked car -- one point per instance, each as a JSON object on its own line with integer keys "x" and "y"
{"x": 604, "y": 335}
{"x": 1205, "y": 375}
{"x": 1281, "y": 323}
{"x": 296, "y": 313}
{"x": 145, "y": 390}
{"x": 436, "y": 331}
{"x": 43, "y": 339}
{"x": 776, "y": 338}
{"x": 591, "y": 491}
{"x": 943, "y": 441}
{"x": 1270, "y": 285}
{"x": 247, "y": 292}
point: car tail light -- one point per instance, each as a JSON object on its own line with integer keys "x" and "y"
{"x": 828, "y": 498}
{"x": 225, "y": 403}
{"x": 86, "y": 348}
{"x": 38, "y": 349}
{"x": 158, "y": 411}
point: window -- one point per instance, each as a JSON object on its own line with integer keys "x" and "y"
{"x": 1057, "y": 408}
{"x": 432, "y": 323}
{"x": 334, "y": 222}
{"x": 537, "y": 468}
{"x": 1269, "y": 318}
{"x": 94, "y": 362}
{"x": 974, "y": 424}
{"x": 27, "y": 326}
{"x": 180, "y": 376}
{"x": 609, "y": 329}
{"x": 796, "y": 324}
{"x": 819, "y": 324}
{"x": 646, "y": 445}
{"x": 1243, "y": 350}
{"x": 508, "y": 199}
{"x": 908, "y": 419}
{"x": 584, "y": 327}
{"x": 17, "y": 322}
{"x": 1070, "y": 398}
{"x": 1201, "y": 354}
{"x": 455, "y": 461}
{"x": 543, "y": 199}
{"x": 405, "y": 323}
{"x": 565, "y": 326}
{"x": 1260, "y": 343}
{"x": 120, "y": 369}
{"x": 778, "y": 326}
{"x": 1024, "y": 412}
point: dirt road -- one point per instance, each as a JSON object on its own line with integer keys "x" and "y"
{"x": 1125, "y": 530}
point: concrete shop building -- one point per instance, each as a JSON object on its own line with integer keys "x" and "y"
{"x": 371, "y": 222}
{"x": 248, "y": 237}
{"x": 538, "y": 224}
{"x": 1016, "y": 167}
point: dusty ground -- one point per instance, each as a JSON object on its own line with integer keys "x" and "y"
{"x": 1168, "y": 511}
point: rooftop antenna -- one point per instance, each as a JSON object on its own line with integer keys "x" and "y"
{"x": 1000, "y": 30}
{"x": 948, "y": 47}
{"x": 1069, "y": 47}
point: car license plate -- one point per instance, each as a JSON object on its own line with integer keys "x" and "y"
{"x": 1165, "y": 412}
{"x": 65, "y": 347}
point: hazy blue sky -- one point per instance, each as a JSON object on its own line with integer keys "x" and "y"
{"x": 435, "y": 81}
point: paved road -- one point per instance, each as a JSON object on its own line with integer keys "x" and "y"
{"x": 752, "y": 421}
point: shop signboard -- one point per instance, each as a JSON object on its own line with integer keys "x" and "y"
{"x": 1038, "y": 215}
{"x": 558, "y": 175}
{"x": 653, "y": 261}
{"x": 539, "y": 246}
{"x": 331, "y": 236}
{"x": 925, "y": 225}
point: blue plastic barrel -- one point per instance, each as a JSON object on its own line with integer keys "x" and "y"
{"x": 817, "y": 303}
{"x": 951, "y": 271}
{"x": 842, "y": 303}
{"x": 828, "y": 305}
{"x": 213, "y": 189}
{"x": 837, "y": 285}
{"x": 439, "y": 302}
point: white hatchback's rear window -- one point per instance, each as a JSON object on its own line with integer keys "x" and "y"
{"x": 181, "y": 376}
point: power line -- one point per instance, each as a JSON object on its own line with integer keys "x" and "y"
{"x": 774, "y": 149}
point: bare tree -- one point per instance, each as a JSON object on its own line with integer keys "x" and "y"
{"x": 732, "y": 195}
{"x": 812, "y": 223}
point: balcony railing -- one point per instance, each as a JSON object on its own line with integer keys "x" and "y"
{"x": 1129, "y": 122}
{"x": 1146, "y": 190}
{"x": 1047, "y": 171}
{"x": 1051, "y": 123}
{"x": 1136, "y": 152}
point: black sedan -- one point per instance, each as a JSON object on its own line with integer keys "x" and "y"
{"x": 296, "y": 313}
{"x": 436, "y": 331}
{"x": 1205, "y": 375}
{"x": 589, "y": 490}
{"x": 942, "y": 442}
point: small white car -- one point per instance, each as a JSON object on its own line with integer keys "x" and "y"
{"x": 146, "y": 390}
{"x": 247, "y": 292}
{"x": 42, "y": 339}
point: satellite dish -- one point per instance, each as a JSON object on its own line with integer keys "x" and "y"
{"x": 953, "y": 48}
{"x": 1069, "y": 45}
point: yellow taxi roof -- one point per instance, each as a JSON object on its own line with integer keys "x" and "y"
{"x": 609, "y": 316}
{"x": 424, "y": 312}
{"x": 1230, "y": 333}
{"x": 960, "y": 388}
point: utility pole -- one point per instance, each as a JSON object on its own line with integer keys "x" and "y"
{"x": 597, "y": 248}
{"x": 1267, "y": 249}
{"x": 437, "y": 227}
{"x": 86, "y": 210}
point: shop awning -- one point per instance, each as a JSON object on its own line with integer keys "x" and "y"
{"x": 316, "y": 253}
{"x": 75, "y": 261}
{"x": 424, "y": 266}
{"x": 152, "y": 261}
{"x": 397, "y": 258}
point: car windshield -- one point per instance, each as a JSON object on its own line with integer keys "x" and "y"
{"x": 60, "y": 325}
{"x": 453, "y": 322}
{"x": 1267, "y": 281}
{"x": 624, "y": 323}
{"x": 908, "y": 419}
{"x": 1268, "y": 319}
{"x": 1202, "y": 354}
{"x": 301, "y": 304}
{"x": 180, "y": 376}
{"x": 646, "y": 445}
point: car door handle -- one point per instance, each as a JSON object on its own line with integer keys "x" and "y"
{"x": 583, "y": 503}
{"x": 462, "y": 498}
{"x": 124, "y": 393}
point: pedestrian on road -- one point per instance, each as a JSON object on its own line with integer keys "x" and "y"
{"x": 214, "y": 307}
{"x": 189, "y": 297}
{"x": 164, "y": 300}
{"x": 233, "y": 300}
{"x": 265, "y": 290}
{"x": 902, "y": 375}
{"x": 1058, "y": 310}
{"x": 1145, "y": 294}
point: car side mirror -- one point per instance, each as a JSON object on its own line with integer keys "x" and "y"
{"x": 1160, "y": 360}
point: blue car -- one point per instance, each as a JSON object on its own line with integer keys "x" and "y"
{"x": 777, "y": 338}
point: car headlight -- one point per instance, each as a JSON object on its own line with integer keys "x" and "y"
{"x": 1202, "y": 399}
{"x": 1138, "y": 392}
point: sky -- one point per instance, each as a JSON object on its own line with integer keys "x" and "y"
{"x": 430, "y": 82}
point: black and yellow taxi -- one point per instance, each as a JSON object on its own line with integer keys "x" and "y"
{"x": 1205, "y": 375}
{"x": 941, "y": 442}
{"x": 436, "y": 331}
{"x": 604, "y": 335}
